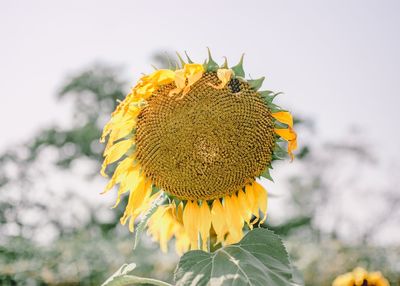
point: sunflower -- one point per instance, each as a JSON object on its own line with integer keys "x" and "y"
{"x": 360, "y": 277}
{"x": 187, "y": 144}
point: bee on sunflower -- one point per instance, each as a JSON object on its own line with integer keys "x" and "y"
{"x": 360, "y": 277}
{"x": 188, "y": 144}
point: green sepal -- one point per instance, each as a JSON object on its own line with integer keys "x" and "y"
{"x": 154, "y": 189}
{"x": 170, "y": 64}
{"x": 211, "y": 64}
{"x": 279, "y": 124}
{"x": 279, "y": 153}
{"x": 273, "y": 107}
{"x": 238, "y": 69}
{"x": 256, "y": 83}
{"x": 268, "y": 95}
{"x": 176, "y": 202}
{"x": 183, "y": 63}
{"x": 188, "y": 59}
{"x": 266, "y": 174}
{"x": 205, "y": 65}
{"x": 225, "y": 64}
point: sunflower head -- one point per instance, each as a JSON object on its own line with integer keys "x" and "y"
{"x": 360, "y": 277}
{"x": 197, "y": 136}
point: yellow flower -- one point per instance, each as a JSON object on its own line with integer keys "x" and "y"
{"x": 360, "y": 277}
{"x": 198, "y": 137}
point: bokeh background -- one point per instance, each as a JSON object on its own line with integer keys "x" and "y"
{"x": 64, "y": 65}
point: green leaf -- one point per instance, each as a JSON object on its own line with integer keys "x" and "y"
{"x": 121, "y": 278}
{"x": 238, "y": 69}
{"x": 259, "y": 259}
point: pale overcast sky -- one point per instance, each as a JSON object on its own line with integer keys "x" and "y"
{"x": 337, "y": 61}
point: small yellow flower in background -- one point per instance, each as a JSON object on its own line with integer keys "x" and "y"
{"x": 360, "y": 277}
{"x": 197, "y": 137}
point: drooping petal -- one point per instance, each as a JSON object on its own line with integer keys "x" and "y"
{"x": 252, "y": 200}
{"x": 244, "y": 208}
{"x": 224, "y": 75}
{"x": 120, "y": 172}
{"x": 180, "y": 79}
{"x": 205, "y": 224}
{"x": 136, "y": 198}
{"x": 218, "y": 220}
{"x": 360, "y": 275}
{"x": 193, "y": 73}
{"x": 262, "y": 199}
{"x": 167, "y": 229}
{"x": 164, "y": 76}
{"x": 131, "y": 180}
{"x": 284, "y": 117}
{"x": 234, "y": 220}
{"x": 289, "y": 135}
{"x": 115, "y": 152}
{"x": 182, "y": 243}
{"x": 285, "y": 133}
{"x": 191, "y": 223}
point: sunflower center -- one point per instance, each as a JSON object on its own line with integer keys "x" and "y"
{"x": 208, "y": 144}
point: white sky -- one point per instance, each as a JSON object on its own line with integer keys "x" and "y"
{"x": 337, "y": 61}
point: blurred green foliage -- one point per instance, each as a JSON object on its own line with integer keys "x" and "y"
{"x": 88, "y": 250}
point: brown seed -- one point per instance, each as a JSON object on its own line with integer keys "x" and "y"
{"x": 208, "y": 144}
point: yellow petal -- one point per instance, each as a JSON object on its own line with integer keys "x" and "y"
{"x": 376, "y": 278}
{"x": 231, "y": 239}
{"x": 289, "y": 135}
{"x": 286, "y": 134}
{"x": 182, "y": 243}
{"x": 167, "y": 229}
{"x": 120, "y": 172}
{"x": 359, "y": 275}
{"x": 224, "y": 75}
{"x": 155, "y": 222}
{"x": 193, "y": 73}
{"x": 163, "y": 76}
{"x": 205, "y": 224}
{"x": 284, "y": 117}
{"x": 252, "y": 200}
{"x": 218, "y": 220}
{"x": 180, "y": 79}
{"x": 262, "y": 198}
{"x": 131, "y": 179}
{"x": 122, "y": 129}
{"x": 344, "y": 280}
{"x": 233, "y": 218}
{"x": 115, "y": 152}
{"x": 136, "y": 197}
{"x": 191, "y": 223}
{"x": 245, "y": 208}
